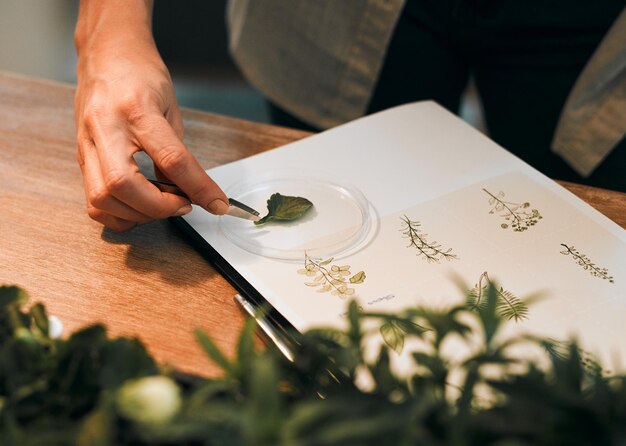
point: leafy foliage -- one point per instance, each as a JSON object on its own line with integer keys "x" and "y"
{"x": 93, "y": 390}
{"x": 285, "y": 208}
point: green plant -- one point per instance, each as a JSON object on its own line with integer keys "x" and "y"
{"x": 92, "y": 390}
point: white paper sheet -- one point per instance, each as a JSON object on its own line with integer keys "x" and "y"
{"x": 420, "y": 162}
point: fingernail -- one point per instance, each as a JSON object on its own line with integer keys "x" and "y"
{"x": 217, "y": 207}
{"x": 182, "y": 211}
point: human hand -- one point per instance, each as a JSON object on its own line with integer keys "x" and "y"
{"x": 125, "y": 103}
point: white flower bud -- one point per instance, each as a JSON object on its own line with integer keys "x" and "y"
{"x": 149, "y": 400}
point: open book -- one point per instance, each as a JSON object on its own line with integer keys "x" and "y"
{"x": 407, "y": 202}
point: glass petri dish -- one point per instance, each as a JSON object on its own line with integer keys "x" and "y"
{"x": 338, "y": 220}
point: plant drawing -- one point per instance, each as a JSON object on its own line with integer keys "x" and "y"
{"x": 516, "y": 215}
{"x": 507, "y": 304}
{"x": 431, "y": 251}
{"x": 586, "y": 263}
{"x": 327, "y": 277}
{"x": 563, "y": 350}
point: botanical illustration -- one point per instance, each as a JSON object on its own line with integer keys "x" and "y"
{"x": 431, "y": 251}
{"x": 586, "y": 263}
{"x": 517, "y": 216}
{"x": 394, "y": 332}
{"x": 285, "y": 208}
{"x": 563, "y": 350}
{"x": 328, "y": 277}
{"x": 507, "y": 304}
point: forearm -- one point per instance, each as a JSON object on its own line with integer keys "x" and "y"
{"x": 125, "y": 103}
{"x": 113, "y": 22}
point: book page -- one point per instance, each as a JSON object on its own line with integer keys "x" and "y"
{"x": 436, "y": 204}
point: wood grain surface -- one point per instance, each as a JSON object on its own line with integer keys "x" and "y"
{"x": 148, "y": 283}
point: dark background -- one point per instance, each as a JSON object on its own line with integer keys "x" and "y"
{"x": 191, "y": 37}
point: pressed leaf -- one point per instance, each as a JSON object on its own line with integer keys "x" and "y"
{"x": 285, "y": 208}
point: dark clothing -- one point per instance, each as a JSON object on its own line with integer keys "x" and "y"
{"x": 524, "y": 58}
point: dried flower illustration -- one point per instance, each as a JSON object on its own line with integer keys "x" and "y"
{"x": 518, "y": 216}
{"x": 586, "y": 263}
{"x": 507, "y": 304}
{"x": 336, "y": 279}
{"x": 431, "y": 251}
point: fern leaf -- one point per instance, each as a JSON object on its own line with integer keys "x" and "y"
{"x": 510, "y": 306}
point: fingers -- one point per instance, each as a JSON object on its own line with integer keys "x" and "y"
{"x": 172, "y": 158}
{"x": 118, "y": 195}
{"x": 121, "y": 178}
{"x": 110, "y": 221}
{"x": 176, "y": 121}
{"x": 97, "y": 194}
{"x": 114, "y": 120}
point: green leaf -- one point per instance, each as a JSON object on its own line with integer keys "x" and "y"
{"x": 98, "y": 428}
{"x": 214, "y": 352}
{"x": 393, "y": 336}
{"x": 12, "y": 295}
{"x": 123, "y": 359}
{"x": 354, "y": 316}
{"x": 245, "y": 344}
{"x": 285, "y": 208}
{"x": 382, "y": 374}
{"x": 347, "y": 419}
{"x": 207, "y": 391}
{"x": 488, "y": 315}
{"x": 38, "y": 313}
{"x": 264, "y": 405}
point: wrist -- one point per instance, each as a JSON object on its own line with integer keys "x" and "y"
{"x": 113, "y": 23}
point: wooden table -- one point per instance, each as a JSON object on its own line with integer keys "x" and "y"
{"x": 149, "y": 282}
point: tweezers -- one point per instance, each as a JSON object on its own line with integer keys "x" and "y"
{"x": 236, "y": 208}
